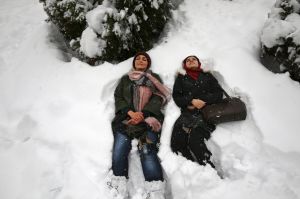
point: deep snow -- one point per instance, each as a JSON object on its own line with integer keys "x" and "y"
{"x": 55, "y": 136}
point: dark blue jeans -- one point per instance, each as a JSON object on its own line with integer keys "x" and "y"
{"x": 148, "y": 153}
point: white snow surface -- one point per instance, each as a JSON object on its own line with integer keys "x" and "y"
{"x": 55, "y": 134}
{"x": 90, "y": 44}
{"x": 275, "y": 30}
{"x": 95, "y": 18}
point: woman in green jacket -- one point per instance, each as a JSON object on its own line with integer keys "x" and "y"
{"x": 139, "y": 98}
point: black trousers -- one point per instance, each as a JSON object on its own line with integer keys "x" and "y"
{"x": 191, "y": 144}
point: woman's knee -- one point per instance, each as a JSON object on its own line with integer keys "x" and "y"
{"x": 147, "y": 149}
{"x": 197, "y": 144}
{"x": 152, "y": 137}
{"x": 122, "y": 146}
{"x": 122, "y": 140}
{"x": 178, "y": 140}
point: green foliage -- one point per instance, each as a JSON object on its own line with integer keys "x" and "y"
{"x": 140, "y": 24}
{"x": 68, "y": 15}
{"x": 126, "y": 27}
{"x": 286, "y": 52}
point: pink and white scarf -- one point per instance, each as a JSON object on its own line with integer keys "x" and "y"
{"x": 146, "y": 85}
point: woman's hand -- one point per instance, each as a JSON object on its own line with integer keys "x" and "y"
{"x": 134, "y": 122}
{"x": 197, "y": 103}
{"x": 136, "y": 117}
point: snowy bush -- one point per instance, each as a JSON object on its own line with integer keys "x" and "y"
{"x": 109, "y": 30}
{"x": 68, "y": 15}
{"x": 281, "y": 38}
{"x": 176, "y": 3}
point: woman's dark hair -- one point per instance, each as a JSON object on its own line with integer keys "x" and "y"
{"x": 144, "y": 54}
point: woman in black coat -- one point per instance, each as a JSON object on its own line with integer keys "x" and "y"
{"x": 193, "y": 89}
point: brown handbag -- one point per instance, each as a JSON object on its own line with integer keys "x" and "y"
{"x": 230, "y": 109}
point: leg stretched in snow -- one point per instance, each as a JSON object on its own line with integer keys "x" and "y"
{"x": 150, "y": 163}
{"x": 121, "y": 149}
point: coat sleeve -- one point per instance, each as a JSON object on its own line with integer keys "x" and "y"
{"x": 181, "y": 98}
{"x": 121, "y": 106}
{"x": 215, "y": 93}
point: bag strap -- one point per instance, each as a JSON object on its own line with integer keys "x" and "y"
{"x": 226, "y": 94}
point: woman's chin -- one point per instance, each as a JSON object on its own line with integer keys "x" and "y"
{"x": 140, "y": 69}
{"x": 193, "y": 68}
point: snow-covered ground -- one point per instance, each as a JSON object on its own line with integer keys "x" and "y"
{"x": 55, "y": 135}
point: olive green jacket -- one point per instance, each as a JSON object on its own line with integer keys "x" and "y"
{"x": 124, "y": 102}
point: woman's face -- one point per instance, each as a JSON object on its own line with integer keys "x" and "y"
{"x": 191, "y": 62}
{"x": 141, "y": 63}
